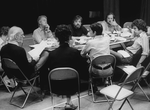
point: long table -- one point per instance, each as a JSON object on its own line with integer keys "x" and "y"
{"x": 113, "y": 44}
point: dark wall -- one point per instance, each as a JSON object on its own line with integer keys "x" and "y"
{"x": 24, "y": 13}
{"x": 129, "y": 10}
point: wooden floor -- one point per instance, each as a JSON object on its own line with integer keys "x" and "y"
{"x": 138, "y": 101}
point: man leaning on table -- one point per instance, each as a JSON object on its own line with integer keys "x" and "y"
{"x": 98, "y": 46}
{"x": 43, "y": 31}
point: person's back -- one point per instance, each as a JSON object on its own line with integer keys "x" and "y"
{"x": 15, "y": 52}
{"x": 99, "y": 45}
{"x": 64, "y": 55}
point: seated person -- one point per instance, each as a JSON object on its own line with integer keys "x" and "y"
{"x": 3, "y": 39}
{"x": 99, "y": 45}
{"x": 141, "y": 42}
{"x": 3, "y": 35}
{"x": 77, "y": 28}
{"x": 109, "y": 24}
{"x": 43, "y": 31}
{"x": 63, "y": 56}
{"x": 14, "y": 50}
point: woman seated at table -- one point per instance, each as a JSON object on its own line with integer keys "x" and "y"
{"x": 141, "y": 42}
{"x": 109, "y": 24}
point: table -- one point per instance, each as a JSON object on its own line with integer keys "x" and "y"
{"x": 116, "y": 42}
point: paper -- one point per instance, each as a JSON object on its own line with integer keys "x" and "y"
{"x": 35, "y": 53}
{"x": 125, "y": 34}
{"x": 120, "y": 38}
{"x": 128, "y": 68}
{"x": 124, "y": 53}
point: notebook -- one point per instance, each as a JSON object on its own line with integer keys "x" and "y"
{"x": 124, "y": 53}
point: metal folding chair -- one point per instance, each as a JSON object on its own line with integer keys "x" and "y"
{"x": 143, "y": 77}
{"x": 121, "y": 92}
{"x": 104, "y": 59}
{"x": 59, "y": 76}
{"x": 11, "y": 65}
{"x": 2, "y": 82}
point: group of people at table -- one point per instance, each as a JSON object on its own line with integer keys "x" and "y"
{"x": 63, "y": 53}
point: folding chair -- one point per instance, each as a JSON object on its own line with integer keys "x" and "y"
{"x": 64, "y": 78}
{"x": 2, "y": 82}
{"x": 120, "y": 92}
{"x": 143, "y": 77}
{"x": 9, "y": 64}
{"x": 104, "y": 59}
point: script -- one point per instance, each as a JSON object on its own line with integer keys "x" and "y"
{"x": 124, "y": 53}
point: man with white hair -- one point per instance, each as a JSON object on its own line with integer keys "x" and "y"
{"x": 14, "y": 50}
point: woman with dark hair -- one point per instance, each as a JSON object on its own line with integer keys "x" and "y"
{"x": 63, "y": 56}
{"x": 141, "y": 41}
{"x": 110, "y": 24}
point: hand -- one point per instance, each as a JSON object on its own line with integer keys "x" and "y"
{"x": 138, "y": 65}
{"x": 36, "y": 58}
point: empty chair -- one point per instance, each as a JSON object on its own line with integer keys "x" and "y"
{"x": 64, "y": 81}
{"x": 8, "y": 64}
{"x": 120, "y": 92}
{"x": 143, "y": 77}
{"x": 101, "y": 67}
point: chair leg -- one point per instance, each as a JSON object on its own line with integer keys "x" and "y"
{"x": 93, "y": 96}
{"x": 2, "y": 81}
{"x": 79, "y": 101}
{"x": 26, "y": 93}
{"x": 143, "y": 92}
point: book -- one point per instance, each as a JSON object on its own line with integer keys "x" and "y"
{"x": 124, "y": 53}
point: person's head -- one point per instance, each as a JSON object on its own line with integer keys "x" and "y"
{"x": 4, "y": 30}
{"x": 63, "y": 33}
{"x": 42, "y": 20}
{"x": 110, "y": 18}
{"x": 16, "y": 34}
{"x": 139, "y": 25}
{"x": 77, "y": 21}
{"x": 96, "y": 28}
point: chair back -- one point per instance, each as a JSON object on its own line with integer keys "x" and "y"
{"x": 134, "y": 76}
{"x": 63, "y": 73}
{"x": 9, "y": 64}
{"x": 105, "y": 59}
{"x": 64, "y": 80}
{"x": 127, "y": 25}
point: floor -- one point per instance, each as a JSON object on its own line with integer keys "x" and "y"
{"x": 138, "y": 100}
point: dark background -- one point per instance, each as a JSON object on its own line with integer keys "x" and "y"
{"x": 24, "y": 13}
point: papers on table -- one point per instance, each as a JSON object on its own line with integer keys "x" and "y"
{"x": 128, "y": 68}
{"x": 125, "y": 34}
{"x": 38, "y": 48}
{"x": 81, "y": 40}
{"x": 120, "y": 38}
{"x": 124, "y": 53}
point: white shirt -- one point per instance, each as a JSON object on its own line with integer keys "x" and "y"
{"x": 97, "y": 46}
